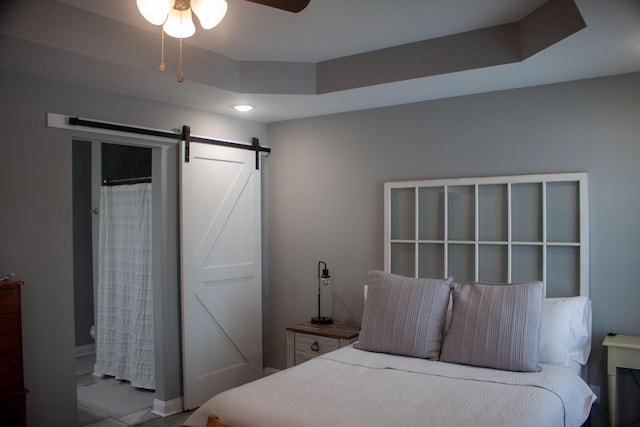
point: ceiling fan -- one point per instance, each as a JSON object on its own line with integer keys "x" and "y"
{"x": 175, "y": 16}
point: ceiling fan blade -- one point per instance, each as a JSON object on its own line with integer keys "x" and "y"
{"x": 294, "y": 6}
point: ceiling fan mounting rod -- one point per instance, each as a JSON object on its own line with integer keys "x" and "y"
{"x": 182, "y": 5}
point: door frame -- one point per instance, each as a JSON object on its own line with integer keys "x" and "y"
{"x": 165, "y": 228}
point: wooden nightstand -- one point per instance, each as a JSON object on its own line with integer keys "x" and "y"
{"x": 306, "y": 340}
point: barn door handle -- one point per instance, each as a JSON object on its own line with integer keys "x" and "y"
{"x": 315, "y": 346}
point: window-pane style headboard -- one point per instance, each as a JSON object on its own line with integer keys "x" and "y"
{"x": 500, "y": 229}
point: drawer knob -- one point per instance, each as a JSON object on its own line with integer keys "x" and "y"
{"x": 315, "y": 346}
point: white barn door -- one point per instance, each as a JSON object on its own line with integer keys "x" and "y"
{"x": 221, "y": 271}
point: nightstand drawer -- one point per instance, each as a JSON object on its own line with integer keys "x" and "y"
{"x": 306, "y": 341}
{"x": 309, "y": 346}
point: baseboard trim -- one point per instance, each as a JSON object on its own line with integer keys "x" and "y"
{"x": 268, "y": 371}
{"x": 165, "y": 409}
{"x": 85, "y": 350}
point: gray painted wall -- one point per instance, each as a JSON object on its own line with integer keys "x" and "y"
{"x": 36, "y": 228}
{"x": 323, "y": 201}
{"x": 324, "y": 190}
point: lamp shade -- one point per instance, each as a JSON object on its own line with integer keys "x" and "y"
{"x": 155, "y": 11}
{"x": 209, "y": 12}
{"x": 179, "y": 24}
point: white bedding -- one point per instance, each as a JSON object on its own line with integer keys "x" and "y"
{"x": 351, "y": 387}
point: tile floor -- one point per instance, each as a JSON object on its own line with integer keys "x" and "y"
{"x": 106, "y": 402}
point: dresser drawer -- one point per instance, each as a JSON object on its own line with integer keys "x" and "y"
{"x": 9, "y": 300}
{"x": 10, "y": 340}
{"x": 12, "y": 391}
{"x": 11, "y": 372}
{"x": 13, "y": 411}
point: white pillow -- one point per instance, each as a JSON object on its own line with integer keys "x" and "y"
{"x": 565, "y": 333}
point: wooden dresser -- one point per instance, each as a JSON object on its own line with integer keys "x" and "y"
{"x": 12, "y": 391}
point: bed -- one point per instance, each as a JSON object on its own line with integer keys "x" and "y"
{"x": 433, "y": 352}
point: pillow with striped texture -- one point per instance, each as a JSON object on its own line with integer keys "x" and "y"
{"x": 495, "y": 326}
{"x": 404, "y": 315}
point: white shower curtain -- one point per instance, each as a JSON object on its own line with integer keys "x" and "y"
{"x": 124, "y": 317}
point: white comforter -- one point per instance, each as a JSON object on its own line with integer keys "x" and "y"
{"x": 351, "y": 387}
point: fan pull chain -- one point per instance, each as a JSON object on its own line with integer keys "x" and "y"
{"x": 162, "y": 67}
{"x": 180, "y": 75}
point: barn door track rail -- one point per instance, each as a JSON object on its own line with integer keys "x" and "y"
{"x": 184, "y": 135}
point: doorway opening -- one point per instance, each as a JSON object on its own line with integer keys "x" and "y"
{"x": 108, "y": 177}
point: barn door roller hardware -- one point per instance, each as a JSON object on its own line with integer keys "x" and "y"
{"x": 255, "y": 144}
{"x": 184, "y": 135}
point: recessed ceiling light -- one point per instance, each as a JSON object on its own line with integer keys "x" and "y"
{"x": 243, "y": 107}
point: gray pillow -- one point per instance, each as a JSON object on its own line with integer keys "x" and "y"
{"x": 495, "y": 326}
{"x": 404, "y": 315}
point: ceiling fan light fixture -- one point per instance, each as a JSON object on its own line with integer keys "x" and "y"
{"x": 155, "y": 11}
{"x": 179, "y": 24}
{"x": 177, "y": 21}
{"x": 209, "y": 12}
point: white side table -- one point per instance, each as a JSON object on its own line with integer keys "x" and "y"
{"x": 623, "y": 351}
